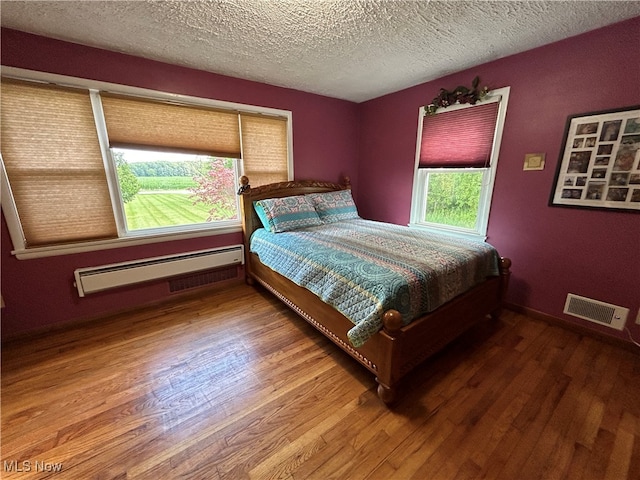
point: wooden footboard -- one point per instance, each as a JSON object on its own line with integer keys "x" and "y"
{"x": 395, "y": 350}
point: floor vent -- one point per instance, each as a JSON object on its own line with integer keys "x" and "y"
{"x": 597, "y": 312}
{"x": 202, "y": 279}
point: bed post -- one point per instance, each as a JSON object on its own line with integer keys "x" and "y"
{"x": 387, "y": 376}
{"x": 505, "y": 275}
{"x": 247, "y": 224}
{"x": 392, "y": 322}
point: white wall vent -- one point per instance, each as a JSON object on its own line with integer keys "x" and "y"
{"x": 97, "y": 279}
{"x": 595, "y": 311}
{"x": 201, "y": 279}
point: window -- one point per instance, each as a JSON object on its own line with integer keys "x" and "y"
{"x": 98, "y": 165}
{"x": 52, "y": 157}
{"x": 164, "y": 189}
{"x": 456, "y": 161}
{"x": 176, "y": 164}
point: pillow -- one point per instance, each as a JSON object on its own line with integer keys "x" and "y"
{"x": 287, "y": 213}
{"x": 334, "y": 206}
{"x": 262, "y": 215}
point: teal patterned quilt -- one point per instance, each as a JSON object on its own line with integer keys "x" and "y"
{"x": 363, "y": 268}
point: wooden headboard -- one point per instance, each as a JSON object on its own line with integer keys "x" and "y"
{"x": 248, "y": 195}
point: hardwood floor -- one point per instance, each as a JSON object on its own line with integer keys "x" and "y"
{"x": 232, "y": 385}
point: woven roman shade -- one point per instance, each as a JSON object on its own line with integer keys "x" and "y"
{"x": 459, "y": 138}
{"x": 52, "y": 158}
{"x": 135, "y": 122}
{"x": 264, "y": 149}
{"x": 52, "y": 154}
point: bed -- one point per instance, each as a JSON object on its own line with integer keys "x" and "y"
{"x": 398, "y": 342}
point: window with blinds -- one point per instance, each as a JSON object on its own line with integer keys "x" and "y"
{"x": 456, "y": 163}
{"x": 264, "y": 145}
{"x": 461, "y": 138}
{"x": 143, "y": 123}
{"x": 54, "y": 165}
{"x": 66, "y": 154}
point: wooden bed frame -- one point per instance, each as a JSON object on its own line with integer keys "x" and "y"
{"x": 394, "y": 350}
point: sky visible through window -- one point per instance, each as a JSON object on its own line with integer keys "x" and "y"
{"x": 139, "y": 156}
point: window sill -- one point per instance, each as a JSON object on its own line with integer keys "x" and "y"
{"x": 55, "y": 250}
{"x": 467, "y": 235}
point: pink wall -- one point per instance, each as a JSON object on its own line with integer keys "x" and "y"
{"x": 40, "y": 292}
{"x": 554, "y": 250}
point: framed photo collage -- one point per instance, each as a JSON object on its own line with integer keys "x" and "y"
{"x": 600, "y": 163}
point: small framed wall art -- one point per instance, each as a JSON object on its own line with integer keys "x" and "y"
{"x": 533, "y": 161}
{"x": 599, "y": 165}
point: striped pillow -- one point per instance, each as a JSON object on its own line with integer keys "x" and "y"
{"x": 287, "y": 213}
{"x": 334, "y": 206}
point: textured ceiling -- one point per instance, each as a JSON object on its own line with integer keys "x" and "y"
{"x": 349, "y": 49}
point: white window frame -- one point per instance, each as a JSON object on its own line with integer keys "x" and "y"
{"x": 419, "y": 192}
{"x": 119, "y": 210}
{"x": 125, "y": 237}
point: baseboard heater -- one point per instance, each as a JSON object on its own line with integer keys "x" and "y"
{"x": 105, "y": 277}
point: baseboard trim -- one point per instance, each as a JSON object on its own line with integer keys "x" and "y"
{"x": 185, "y": 295}
{"x": 553, "y": 320}
{"x": 170, "y": 298}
